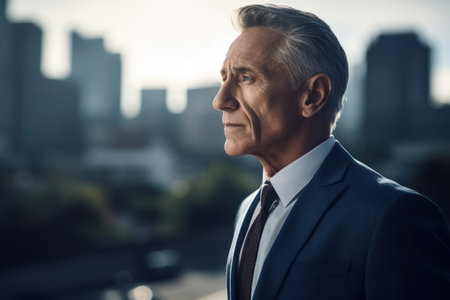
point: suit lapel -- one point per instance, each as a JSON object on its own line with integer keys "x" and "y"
{"x": 233, "y": 257}
{"x": 313, "y": 202}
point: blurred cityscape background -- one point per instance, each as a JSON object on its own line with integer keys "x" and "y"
{"x": 95, "y": 205}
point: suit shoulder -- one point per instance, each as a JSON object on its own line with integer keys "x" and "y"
{"x": 368, "y": 181}
{"x": 386, "y": 205}
{"x": 373, "y": 192}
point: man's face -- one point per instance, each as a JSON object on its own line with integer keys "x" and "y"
{"x": 261, "y": 111}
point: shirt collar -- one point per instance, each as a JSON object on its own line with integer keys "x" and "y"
{"x": 290, "y": 180}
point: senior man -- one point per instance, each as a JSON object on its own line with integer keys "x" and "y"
{"x": 322, "y": 225}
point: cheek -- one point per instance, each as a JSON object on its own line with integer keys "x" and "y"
{"x": 284, "y": 107}
{"x": 255, "y": 120}
{"x": 256, "y": 113}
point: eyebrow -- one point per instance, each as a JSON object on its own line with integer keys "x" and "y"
{"x": 246, "y": 69}
{"x": 242, "y": 69}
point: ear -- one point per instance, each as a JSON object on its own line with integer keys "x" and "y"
{"x": 314, "y": 95}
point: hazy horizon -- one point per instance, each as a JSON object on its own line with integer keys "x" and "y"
{"x": 164, "y": 45}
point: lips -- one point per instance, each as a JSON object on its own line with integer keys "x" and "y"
{"x": 232, "y": 125}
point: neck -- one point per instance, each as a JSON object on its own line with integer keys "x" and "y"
{"x": 276, "y": 159}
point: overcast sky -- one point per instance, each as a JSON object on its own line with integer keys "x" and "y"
{"x": 181, "y": 44}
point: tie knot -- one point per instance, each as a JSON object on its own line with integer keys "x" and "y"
{"x": 268, "y": 195}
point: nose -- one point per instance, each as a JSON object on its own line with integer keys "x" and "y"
{"x": 224, "y": 100}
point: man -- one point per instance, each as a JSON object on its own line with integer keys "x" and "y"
{"x": 327, "y": 226}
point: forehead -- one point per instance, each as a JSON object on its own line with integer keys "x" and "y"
{"x": 254, "y": 45}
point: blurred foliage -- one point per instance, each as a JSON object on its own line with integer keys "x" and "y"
{"x": 207, "y": 202}
{"x": 50, "y": 213}
{"x": 55, "y": 214}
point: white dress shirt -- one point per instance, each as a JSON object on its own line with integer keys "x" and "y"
{"x": 288, "y": 183}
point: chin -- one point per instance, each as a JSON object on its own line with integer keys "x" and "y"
{"x": 234, "y": 150}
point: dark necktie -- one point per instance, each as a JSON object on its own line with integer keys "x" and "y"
{"x": 250, "y": 250}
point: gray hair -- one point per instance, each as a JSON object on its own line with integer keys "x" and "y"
{"x": 309, "y": 47}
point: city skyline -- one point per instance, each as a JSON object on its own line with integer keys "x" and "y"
{"x": 149, "y": 41}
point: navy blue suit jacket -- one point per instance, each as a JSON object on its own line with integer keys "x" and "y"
{"x": 352, "y": 234}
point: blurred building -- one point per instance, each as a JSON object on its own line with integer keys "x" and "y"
{"x": 146, "y": 146}
{"x": 5, "y": 97}
{"x": 397, "y": 93}
{"x": 43, "y": 119}
{"x": 51, "y": 126}
{"x": 201, "y": 126}
{"x": 348, "y": 128}
{"x": 98, "y": 74}
{"x": 156, "y": 122}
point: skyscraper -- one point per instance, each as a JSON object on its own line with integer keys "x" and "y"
{"x": 98, "y": 75}
{"x": 201, "y": 128}
{"x": 50, "y": 120}
{"x": 5, "y": 96}
{"x": 157, "y": 123}
{"x": 25, "y": 78}
{"x": 44, "y": 114}
{"x": 396, "y": 88}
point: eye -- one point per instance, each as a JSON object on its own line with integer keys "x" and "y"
{"x": 246, "y": 78}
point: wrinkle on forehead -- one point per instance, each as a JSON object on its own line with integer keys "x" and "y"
{"x": 249, "y": 50}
